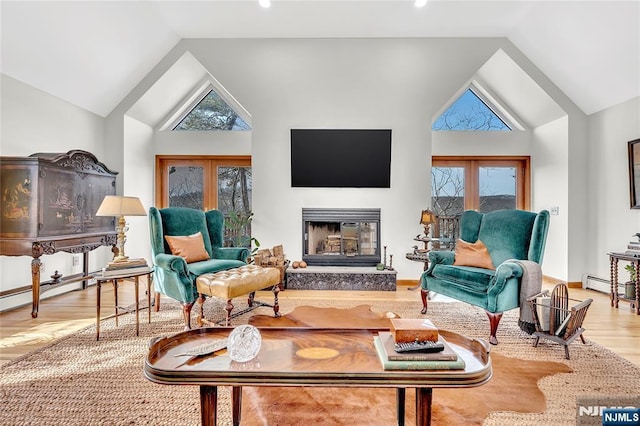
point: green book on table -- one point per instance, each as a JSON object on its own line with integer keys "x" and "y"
{"x": 387, "y": 364}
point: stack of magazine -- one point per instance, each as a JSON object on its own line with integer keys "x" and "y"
{"x": 126, "y": 267}
{"x": 633, "y": 248}
{"x": 446, "y": 359}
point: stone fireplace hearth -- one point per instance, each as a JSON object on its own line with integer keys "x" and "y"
{"x": 341, "y": 278}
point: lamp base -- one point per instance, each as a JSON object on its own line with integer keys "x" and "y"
{"x": 119, "y": 258}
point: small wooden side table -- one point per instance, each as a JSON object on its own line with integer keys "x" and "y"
{"x": 614, "y": 292}
{"x": 120, "y": 277}
{"x": 422, "y": 254}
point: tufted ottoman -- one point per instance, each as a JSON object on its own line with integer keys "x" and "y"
{"x": 236, "y": 282}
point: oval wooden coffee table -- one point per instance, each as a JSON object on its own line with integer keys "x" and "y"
{"x": 307, "y": 357}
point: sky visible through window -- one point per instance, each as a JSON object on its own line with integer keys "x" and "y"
{"x": 493, "y": 180}
{"x": 469, "y": 113}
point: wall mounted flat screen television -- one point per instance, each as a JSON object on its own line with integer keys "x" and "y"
{"x": 342, "y": 158}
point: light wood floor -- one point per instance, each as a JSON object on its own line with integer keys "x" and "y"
{"x": 617, "y": 329}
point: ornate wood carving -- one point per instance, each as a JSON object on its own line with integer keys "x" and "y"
{"x": 49, "y": 201}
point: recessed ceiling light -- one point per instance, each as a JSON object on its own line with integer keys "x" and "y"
{"x": 420, "y": 3}
{"x": 264, "y": 3}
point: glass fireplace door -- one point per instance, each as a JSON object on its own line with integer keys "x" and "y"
{"x": 341, "y": 242}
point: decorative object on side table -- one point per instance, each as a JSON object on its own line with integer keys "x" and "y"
{"x": 128, "y": 266}
{"x": 633, "y": 247}
{"x": 121, "y": 206}
{"x": 630, "y": 286}
{"x": 427, "y": 218}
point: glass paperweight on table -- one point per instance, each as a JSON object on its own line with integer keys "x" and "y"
{"x": 244, "y": 343}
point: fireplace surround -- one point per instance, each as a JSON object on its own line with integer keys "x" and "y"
{"x": 341, "y": 237}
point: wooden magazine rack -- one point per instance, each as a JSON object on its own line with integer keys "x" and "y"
{"x": 555, "y": 320}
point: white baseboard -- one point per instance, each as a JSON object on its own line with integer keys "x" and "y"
{"x": 596, "y": 283}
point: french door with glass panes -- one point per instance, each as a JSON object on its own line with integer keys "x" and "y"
{"x": 479, "y": 183}
{"x": 204, "y": 182}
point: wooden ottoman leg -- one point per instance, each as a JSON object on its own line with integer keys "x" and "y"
{"x": 252, "y": 296}
{"x": 228, "y": 308}
{"x": 276, "y": 307}
{"x": 200, "y": 315}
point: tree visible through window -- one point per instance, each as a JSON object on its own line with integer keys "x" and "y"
{"x": 212, "y": 113}
{"x": 482, "y": 184}
{"x": 469, "y": 113}
{"x": 210, "y": 182}
{"x": 234, "y": 190}
{"x": 186, "y": 186}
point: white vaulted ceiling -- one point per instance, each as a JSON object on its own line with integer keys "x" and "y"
{"x": 93, "y": 53}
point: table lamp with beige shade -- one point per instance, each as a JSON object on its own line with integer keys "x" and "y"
{"x": 426, "y": 219}
{"x": 121, "y": 206}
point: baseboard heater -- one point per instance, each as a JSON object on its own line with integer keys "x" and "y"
{"x": 596, "y": 283}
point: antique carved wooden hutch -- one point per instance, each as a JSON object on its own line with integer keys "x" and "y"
{"x": 49, "y": 202}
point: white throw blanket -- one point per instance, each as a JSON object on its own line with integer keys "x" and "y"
{"x": 530, "y": 285}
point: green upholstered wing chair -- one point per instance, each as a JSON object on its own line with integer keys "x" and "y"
{"x": 173, "y": 276}
{"x": 510, "y": 236}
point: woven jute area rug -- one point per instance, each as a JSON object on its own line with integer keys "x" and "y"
{"x": 80, "y": 381}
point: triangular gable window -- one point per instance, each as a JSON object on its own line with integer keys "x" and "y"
{"x": 212, "y": 113}
{"x": 470, "y": 113}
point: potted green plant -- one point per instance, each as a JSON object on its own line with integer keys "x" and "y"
{"x": 238, "y": 224}
{"x": 630, "y": 286}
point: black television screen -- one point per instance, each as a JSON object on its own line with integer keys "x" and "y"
{"x": 349, "y": 158}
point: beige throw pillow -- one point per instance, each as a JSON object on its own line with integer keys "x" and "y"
{"x": 473, "y": 254}
{"x": 190, "y": 247}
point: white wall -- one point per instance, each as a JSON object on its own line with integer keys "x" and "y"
{"x": 550, "y": 188}
{"x": 138, "y": 160}
{"x": 481, "y": 143}
{"x": 394, "y": 84}
{"x": 34, "y": 121}
{"x": 611, "y": 221}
